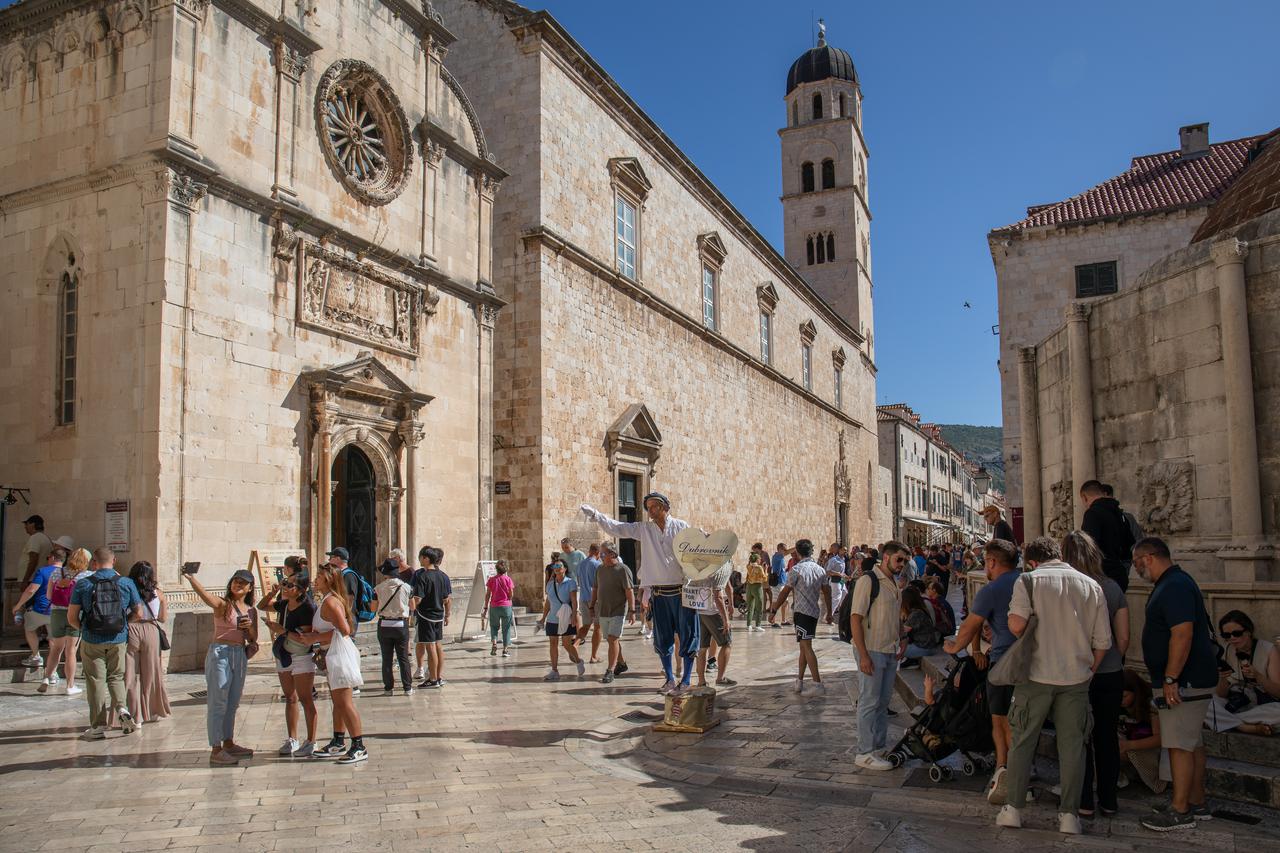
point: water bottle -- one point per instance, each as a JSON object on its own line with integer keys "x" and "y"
{"x": 17, "y": 618}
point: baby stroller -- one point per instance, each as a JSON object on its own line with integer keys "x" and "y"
{"x": 957, "y": 721}
{"x": 739, "y": 593}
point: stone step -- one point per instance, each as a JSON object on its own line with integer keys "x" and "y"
{"x": 1237, "y": 746}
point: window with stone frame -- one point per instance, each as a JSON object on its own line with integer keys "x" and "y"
{"x": 817, "y": 106}
{"x": 831, "y": 247}
{"x": 828, "y": 174}
{"x": 806, "y": 177}
{"x": 767, "y": 296}
{"x": 711, "y": 252}
{"x": 1097, "y": 279}
{"x": 630, "y": 189}
{"x": 808, "y": 332}
{"x": 68, "y": 337}
{"x": 809, "y": 255}
{"x": 838, "y": 358}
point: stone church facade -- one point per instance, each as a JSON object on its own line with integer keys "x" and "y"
{"x": 245, "y": 256}
{"x": 265, "y": 286}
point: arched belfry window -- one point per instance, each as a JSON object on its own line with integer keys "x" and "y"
{"x": 795, "y": 113}
{"x": 806, "y": 178}
{"x": 68, "y": 330}
{"x": 817, "y": 106}
{"x": 808, "y": 251}
{"x": 831, "y": 247}
{"x": 828, "y": 174}
{"x": 842, "y": 113}
{"x": 822, "y": 250}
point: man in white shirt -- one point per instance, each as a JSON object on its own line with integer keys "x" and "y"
{"x": 1073, "y": 635}
{"x": 835, "y": 576}
{"x": 36, "y": 551}
{"x": 661, "y": 574}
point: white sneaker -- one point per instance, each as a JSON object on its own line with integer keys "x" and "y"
{"x": 72, "y": 690}
{"x": 818, "y": 689}
{"x": 1010, "y": 817}
{"x": 53, "y": 679}
{"x": 871, "y": 761}
{"x": 582, "y": 667}
{"x": 127, "y": 724}
{"x": 419, "y": 675}
{"x": 998, "y": 790}
{"x": 33, "y": 661}
{"x": 95, "y": 733}
{"x": 289, "y": 747}
{"x": 667, "y": 688}
{"x": 1068, "y": 824}
{"x": 552, "y": 675}
{"x": 44, "y": 686}
{"x": 305, "y": 750}
{"x": 798, "y": 686}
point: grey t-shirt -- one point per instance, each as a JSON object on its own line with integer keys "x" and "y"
{"x": 1113, "y": 661}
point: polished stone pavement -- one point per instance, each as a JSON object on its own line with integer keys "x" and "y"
{"x": 500, "y": 760}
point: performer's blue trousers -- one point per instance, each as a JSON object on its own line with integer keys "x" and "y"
{"x": 670, "y": 617}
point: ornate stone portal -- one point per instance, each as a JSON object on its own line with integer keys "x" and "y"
{"x": 364, "y": 404}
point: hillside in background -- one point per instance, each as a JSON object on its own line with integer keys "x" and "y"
{"x": 980, "y": 444}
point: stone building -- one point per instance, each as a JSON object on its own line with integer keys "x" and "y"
{"x": 244, "y": 252}
{"x": 1171, "y": 391}
{"x": 1090, "y": 246}
{"x": 264, "y": 288}
{"x": 689, "y": 356}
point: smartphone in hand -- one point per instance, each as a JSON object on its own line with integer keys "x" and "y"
{"x": 190, "y": 568}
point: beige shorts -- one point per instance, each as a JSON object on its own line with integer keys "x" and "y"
{"x": 1182, "y": 726}
{"x": 33, "y": 620}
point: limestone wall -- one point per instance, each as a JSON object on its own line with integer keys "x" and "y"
{"x": 1159, "y": 400}
{"x": 1035, "y": 279}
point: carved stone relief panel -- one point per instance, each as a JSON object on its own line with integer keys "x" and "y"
{"x": 1168, "y": 497}
{"x": 359, "y": 301}
{"x": 1061, "y": 519}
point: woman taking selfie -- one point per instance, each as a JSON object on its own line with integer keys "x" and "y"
{"x": 331, "y": 628}
{"x": 235, "y": 640}
{"x": 294, "y": 667}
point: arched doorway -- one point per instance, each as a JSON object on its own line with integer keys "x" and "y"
{"x": 354, "y": 512}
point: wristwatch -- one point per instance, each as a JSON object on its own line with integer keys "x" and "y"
{"x": 1170, "y": 679}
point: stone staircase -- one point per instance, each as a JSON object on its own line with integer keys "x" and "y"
{"x": 1241, "y": 768}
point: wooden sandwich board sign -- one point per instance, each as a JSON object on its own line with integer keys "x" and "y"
{"x": 263, "y": 563}
{"x": 485, "y": 569}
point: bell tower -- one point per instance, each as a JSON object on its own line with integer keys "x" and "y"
{"x": 826, "y": 216}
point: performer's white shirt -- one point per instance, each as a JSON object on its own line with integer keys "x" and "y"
{"x": 658, "y": 565}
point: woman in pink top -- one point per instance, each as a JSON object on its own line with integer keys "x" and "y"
{"x": 497, "y": 602}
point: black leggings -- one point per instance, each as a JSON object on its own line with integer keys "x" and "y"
{"x": 394, "y": 640}
{"x": 1102, "y": 752}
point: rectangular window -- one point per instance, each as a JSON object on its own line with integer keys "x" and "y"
{"x": 806, "y": 366}
{"x": 839, "y": 388}
{"x": 708, "y": 297}
{"x": 766, "y": 337}
{"x": 1095, "y": 279}
{"x": 625, "y": 215}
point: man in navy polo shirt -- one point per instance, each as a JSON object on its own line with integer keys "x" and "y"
{"x": 1178, "y": 650}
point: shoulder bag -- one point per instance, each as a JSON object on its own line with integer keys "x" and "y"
{"x": 1014, "y": 667}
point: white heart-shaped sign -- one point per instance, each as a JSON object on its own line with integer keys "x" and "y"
{"x": 701, "y": 555}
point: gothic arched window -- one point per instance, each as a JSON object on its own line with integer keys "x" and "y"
{"x": 809, "y": 250}
{"x": 817, "y": 106}
{"x": 822, "y": 250}
{"x": 68, "y": 327}
{"x": 831, "y": 247}
{"x": 806, "y": 178}
{"x": 828, "y": 174}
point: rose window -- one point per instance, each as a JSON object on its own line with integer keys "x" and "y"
{"x": 363, "y": 131}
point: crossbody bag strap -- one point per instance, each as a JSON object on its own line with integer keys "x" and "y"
{"x": 391, "y": 598}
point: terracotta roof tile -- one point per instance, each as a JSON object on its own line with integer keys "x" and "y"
{"x": 1256, "y": 192}
{"x": 1153, "y": 183}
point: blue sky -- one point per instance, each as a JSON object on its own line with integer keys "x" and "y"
{"x": 972, "y": 111}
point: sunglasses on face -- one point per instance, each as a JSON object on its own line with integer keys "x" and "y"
{"x": 288, "y": 586}
{"x": 1232, "y": 635}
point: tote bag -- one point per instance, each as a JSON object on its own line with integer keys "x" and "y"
{"x": 1014, "y": 667}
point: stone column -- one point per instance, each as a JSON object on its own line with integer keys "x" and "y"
{"x": 411, "y": 433}
{"x": 486, "y": 317}
{"x": 486, "y": 187}
{"x": 432, "y": 154}
{"x": 291, "y": 64}
{"x": 1029, "y": 424}
{"x": 1083, "y": 463}
{"x": 322, "y": 427}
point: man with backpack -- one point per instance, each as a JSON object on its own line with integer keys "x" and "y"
{"x": 359, "y": 590}
{"x": 100, "y": 608}
{"x": 1106, "y": 523}
{"x": 875, "y": 629}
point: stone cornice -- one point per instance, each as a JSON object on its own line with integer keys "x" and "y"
{"x": 545, "y": 237}
{"x": 270, "y": 27}
{"x": 33, "y": 14}
{"x": 817, "y": 193}
{"x": 1228, "y": 251}
{"x": 423, "y": 19}
{"x": 429, "y": 131}
{"x": 597, "y": 84}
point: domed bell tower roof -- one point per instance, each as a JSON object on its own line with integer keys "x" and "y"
{"x": 823, "y": 62}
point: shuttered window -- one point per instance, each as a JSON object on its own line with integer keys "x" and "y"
{"x": 1095, "y": 279}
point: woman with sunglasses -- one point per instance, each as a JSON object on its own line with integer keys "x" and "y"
{"x": 295, "y": 612}
{"x": 1248, "y": 695}
{"x": 560, "y": 616}
{"x": 332, "y": 626}
{"x": 235, "y": 640}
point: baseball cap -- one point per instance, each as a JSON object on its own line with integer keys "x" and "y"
{"x": 340, "y": 553}
{"x": 243, "y": 575}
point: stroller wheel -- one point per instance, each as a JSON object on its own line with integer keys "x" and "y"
{"x": 968, "y": 768}
{"x": 947, "y": 774}
{"x": 895, "y": 758}
{"x": 935, "y": 773}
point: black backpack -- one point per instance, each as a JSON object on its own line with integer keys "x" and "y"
{"x": 105, "y": 616}
{"x": 846, "y": 608}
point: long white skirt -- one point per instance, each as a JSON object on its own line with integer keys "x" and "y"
{"x": 343, "y": 663}
{"x": 1220, "y": 719}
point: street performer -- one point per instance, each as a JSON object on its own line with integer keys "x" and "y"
{"x": 662, "y": 578}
